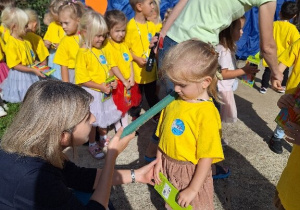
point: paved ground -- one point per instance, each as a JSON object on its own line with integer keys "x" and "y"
{"x": 255, "y": 169}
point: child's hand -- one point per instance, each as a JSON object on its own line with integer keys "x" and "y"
{"x": 126, "y": 84}
{"x": 250, "y": 69}
{"x": 186, "y": 196}
{"x": 131, "y": 81}
{"x": 286, "y": 101}
{"x": 38, "y": 73}
{"x": 105, "y": 88}
{"x": 114, "y": 84}
{"x": 292, "y": 132}
{"x": 117, "y": 145}
{"x": 157, "y": 169}
{"x": 141, "y": 61}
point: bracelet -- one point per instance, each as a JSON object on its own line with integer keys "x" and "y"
{"x": 132, "y": 176}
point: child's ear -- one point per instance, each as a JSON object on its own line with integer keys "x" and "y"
{"x": 65, "y": 139}
{"x": 206, "y": 82}
{"x": 138, "y": 7}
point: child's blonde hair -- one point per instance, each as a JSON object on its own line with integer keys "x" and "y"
{"x": 14, "y": 17}
{"x": 53, "y": 9}
{"x": 33, "y": 17}
{"x": 6, "y": 3}
{"x": 91, "y": 24}
{"x": 191, "y": 61}
{"x": 37, "y": 129}
{"x": 76, "y": 8}
{"x": 156, "y": 8}
{"x": 114, "y": 17}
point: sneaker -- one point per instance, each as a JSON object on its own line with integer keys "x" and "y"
{"x": 282, "y": 90}
{"x": 96, "y": 151}
{"x": 224, "y": 142}
{"x": 5, "y": 107}
{"x": 2, "y": 112}
{"x": 263, "y": 90}
{"x": 275, "y": 145}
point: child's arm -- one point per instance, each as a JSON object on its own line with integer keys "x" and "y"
{"x": 157, "y": 167}
{"x": 22, "y": 68}
{"x": 64, "y": 74}
{"x": 103, "y": 87}
{"x": 118, "y": 74}
{"x": 131, "y": 78}
{"x": 231, "y": 74}
{"x": 139, "y": 60}
{"x": 188, "y": 194}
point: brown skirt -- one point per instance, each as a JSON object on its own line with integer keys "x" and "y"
{"x": 180, "y": 174}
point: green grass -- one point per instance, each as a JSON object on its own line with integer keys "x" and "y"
{"x": 6, "y": 120}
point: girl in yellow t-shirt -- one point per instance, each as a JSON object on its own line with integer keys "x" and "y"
{"x": 189, "y": 127}
{"x": 69, "y": 15}
{"x": 92, "y": 72}
{"x": 36, "y": 41}
{"x": 19, "y": 57}
{"x": 127, "y": 93}
{"x": 54, "y": 35}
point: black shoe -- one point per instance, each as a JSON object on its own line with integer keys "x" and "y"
{"x": 275, "y": 145}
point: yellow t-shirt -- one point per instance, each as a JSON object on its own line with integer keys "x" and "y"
{"x": 54, "y": 33}
{"x": 91, "y": 65}
{"x": 190, "y": 131}
{"x": 284, "y": 34}
{"x": 4, "y": 35}
{"x": 158, "y": 27}
{"x": 121, "y": 57}
{"x": 1, "y": 53}
{"x": 288, "y": 186}
{"x": 38, "y": 45}
{"x": 19, "y": 52}
{"x": 138, "y": 37}
{"x": 289, "y": 58}
{"x": 66, "y": 52}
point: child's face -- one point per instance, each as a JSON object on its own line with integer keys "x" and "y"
{"x": 147, "y": 7}
{"x": 98, "y": 40}
{"x": 189, "y": 91}
{"x": 117, "y": 33}
{"x": 237, "y": 30}
{"x": 69, "y": 24}
{"x": 82, "y": 130}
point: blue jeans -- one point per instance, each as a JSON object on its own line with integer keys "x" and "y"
{"x": 168, "y": 43}
{"x": 278, "y": 132}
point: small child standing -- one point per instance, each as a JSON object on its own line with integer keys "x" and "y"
{"x": 54, "y": 35}
{"x": 19, "y": 57}
{"x": 36, "y": 41}
{"x": 92, "y": 72}
{"x": 227, "y": 62}
{"x": 139, "y": 33}
{"x": 189, "y": 138}
{"x": 285, "y": 34}
{"x": 69, "y": 16}
{"x": 127, "y": 93}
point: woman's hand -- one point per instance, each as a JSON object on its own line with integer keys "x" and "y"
{"x": 186, "y": 196}
{"x": 146, "y": 173}
{"x": 250, "y": 69}
{"x": 157, "y": 169}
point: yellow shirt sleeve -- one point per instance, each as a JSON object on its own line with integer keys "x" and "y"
{"x": 54, "y": 33}
{"x": 38, "y": 45}
{"x": 66, "y": 52}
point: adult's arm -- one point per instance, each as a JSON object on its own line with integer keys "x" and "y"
{"x": 267, "y": 43}
{"x": 172, "y": 17}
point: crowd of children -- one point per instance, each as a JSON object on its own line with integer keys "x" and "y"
{"x": 107, "y": 57}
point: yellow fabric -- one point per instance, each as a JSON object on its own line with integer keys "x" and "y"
{"x": 54, "y": 33}
{"x": 139, "y": 46}
{"x": 190, "y": 131}
{"x": 158, "y": 27}
{"x": 284, "y": 34}
{"x": 88, "y": 67}
{"x": 38, "y": 45}
{"x": 1, "y": 53}
{"x": 290, "y": 57}
{"x": 288, "y": 186}
{"x": 4, "y": 35}
{"x": 18, "y": 52}
{"x": 121, "y": 57}
{"x": 66, "y": 52}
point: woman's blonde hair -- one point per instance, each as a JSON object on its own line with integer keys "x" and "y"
{"x": 76, "y": 8}
{"x": 92, "y": 23}
{"x": 33, "y": 17}
{"x": 191, "y": 61}
{"x": 13, "y": 16}
{"x": 49, "y": 109}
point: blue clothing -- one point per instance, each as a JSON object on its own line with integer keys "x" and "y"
{"x": 278, "y": 132}
{"x": 33, "y": 183}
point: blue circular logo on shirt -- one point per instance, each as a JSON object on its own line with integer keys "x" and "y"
{"x": 149, "y": 37}
{"x": 178, "y": 127}
{"x": 125, "y": 56}
{"x": 102, "y": 59}
{"x": 32, "y": 53}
